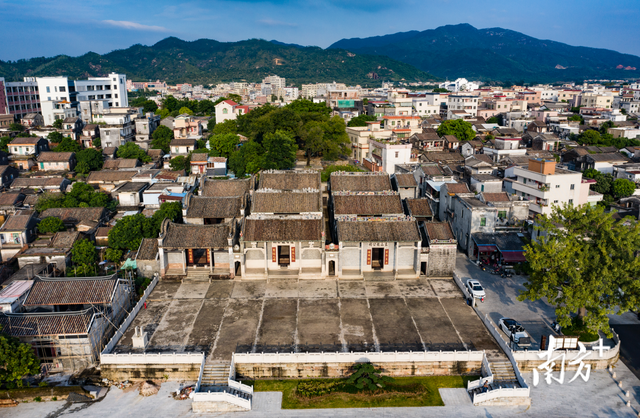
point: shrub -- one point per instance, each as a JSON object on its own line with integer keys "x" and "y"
{"x": 55, "y": 398}
{"x": 43, "y": 384}
{"x": 37, "y": 399}
{"x": 317, "y": 388}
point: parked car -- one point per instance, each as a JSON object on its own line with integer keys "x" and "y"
{"x": 515, "y": 332}
{"x": 475, "y": 288}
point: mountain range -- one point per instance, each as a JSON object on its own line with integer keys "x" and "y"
{"x": 495, "y": 54}
{"x": 206, "y": 61}
{"x": 452, "y": 51}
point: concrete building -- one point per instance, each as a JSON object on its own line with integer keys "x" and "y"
{"x": 463, "y": 102}
{"x": 543, "y": 185}
{"x": 229, "y": 110}
{"x": 117, "y": 131}
{"x": 19, "y": 98}
{"x": 460, "y": 84}
{"x": 112, "y": 88}
{"x": 384, "y": 155}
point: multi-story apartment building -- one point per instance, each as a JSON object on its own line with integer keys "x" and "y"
{"x": 112, "y": 88}
{"x": 545, "y": 185}
{"x": 117, "y": 131}
{"x": 465, "y": 102}
{"x": 18, "y": 98}
{"x": 592, "y": 99}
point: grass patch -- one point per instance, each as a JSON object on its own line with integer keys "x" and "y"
{"x": 404, "y": 391}
{"x": 578, "y": 329}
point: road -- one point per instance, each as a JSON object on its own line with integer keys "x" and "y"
{"x": 628, "y": 328}
{"x": 501, "y": 300}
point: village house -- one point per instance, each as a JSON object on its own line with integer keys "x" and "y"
{"x": 229, "y": 110}
{"x": 32, "y": 120}
{"x": 89, "y": 133}
{"x": 129, "y": 194}
{"x": 122, "y": 164}
{"x": 17, "y": 231}
{"x": 420, "y": 209}
{"x": 73, "y": 216}
{"x": 405, "y": 184}
{"x": 187, "y": 127}
{"x": 9, "y": 203}
{"x": 202, "y": 163}
{"x": 72, "y": 127}
{"x": 442, "y": 250}
{"x": 7, "y": 175}
{"x": 56, "y": 251}
{"x": 427, "y": 141}
{"x": 148, "y": 258}
{"x": 12, "y": 297}
{"x": 201, "y": 210}
{"x": 485, "y": 183}
{"x": 23, "y": 151}
{"x": 107, "y": 180}
{"x": 182, "y": 146}
{"x": 57, "y": 161}
{"x": 226, "y": 188}
{"x": 68, "y": 321}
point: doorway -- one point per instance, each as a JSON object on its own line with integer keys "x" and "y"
{"x": 238, "y": 269}
{"x": 377, "y": 258}
{"x": 332, "y": 268}
{"x": 198, "y": 257}
{"x": 423, "y": 268}
{"x": 283, "y": 255}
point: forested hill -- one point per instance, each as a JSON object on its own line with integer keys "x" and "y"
{"x": 206, "y": 61}
{"x": 495, "y": 54}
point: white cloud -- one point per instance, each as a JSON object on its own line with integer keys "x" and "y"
{"x": 134, "y": 26}
{"x": 271, "y": 22}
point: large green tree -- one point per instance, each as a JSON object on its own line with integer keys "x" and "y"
{"x": 223, "y": 145}
{"x": 55, "y": 137}
{"x": 17, "y": 360}
{"x": 128, "y": 232}
{"x": 280, "y": 150}
{"x": 585, "y": 262}
{"x": 361, "y": 120}
{"x": 623, "y": 188}
{"x": 161, "y": 138}
{"x": 459, "y": 128}
{"x": 91, "y": 158}
{"x": 51, "y": 224}
{"x": 248, "y": 159}
{"x": 84, "y": 252}
{"x": 132, "y": 150}
{"x": 179, "y": 163}
{"x": 67, "y": 145}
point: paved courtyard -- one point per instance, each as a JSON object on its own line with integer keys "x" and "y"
{"x": 313, "y": 315}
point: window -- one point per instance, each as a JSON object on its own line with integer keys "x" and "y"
{"x": 555, "y": 201}
{"x": 48, "y": 90}
{"x": 557, "y": 186}
{"x": 571, "y": 201}
{"x": 115, "y": 95}
{"x": 483, "y": 221}
{"x": 62, "y": 89}
{"x": 573, "y": 187}
{"x": 397, "y": 154}
{"x": 502, "y": 214}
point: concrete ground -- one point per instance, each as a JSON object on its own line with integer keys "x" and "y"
{"x": 310, "y": 315}
{"x": 599, "y": 397}
{"x": 627, "y": 326}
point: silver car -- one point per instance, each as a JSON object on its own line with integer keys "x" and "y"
{"x": 475, "y": 288}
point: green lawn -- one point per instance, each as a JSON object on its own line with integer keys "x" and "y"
{"x": 404, "y": 391}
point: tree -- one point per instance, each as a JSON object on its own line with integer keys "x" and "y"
{"x": 248, "y": 159}
{"x": 97, "y": 142}
{"x": 590, "y": 137}
{"x": 623, "y": 188}
{"x": 55, "y": 137}
{"x": 604, "y": 128}
{"x": 590, "y": 173}
{"x": 57, "y": 123}
{"x": 226, "y": 127}
{"x": 604, "y": 183}
{"x": 90, "y": 158}
{"x": 67, "y": 145}
{"x": 223, "y": 145}
{"x": 170, "y": 103}
{"x": 17, "y": 360}
{"x": 206, "y": 107}
{"x": 185, "y": 110}
{"x": 440, "y": 90}
{"x": 280, "y": 150}
{"x": 131, "y": 150}
{"x": 211, "y": 124}
{"x": 459, "y": 128}
{"x": 178, "y": 163}
{"x": 17, "y": 127}
{"x": 367, "y": 376}
{"x": 161, "y": 139}
{"x": 51, "y": 224}
{"x": 147, "y": 105}
{"x": 127, "y": 233}
{"x": 113, "y": 255}
{"x": 493, "y": 119}
{"x": 83, "y": 252}
{"x": 235, "y": 97}
{"x": 576, "y": 118}
{"x": 4, "y": 143}
{"x": 585, "y": 262}
{"x": 361, "y": 120}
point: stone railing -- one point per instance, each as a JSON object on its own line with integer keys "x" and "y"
{"x": 487, "y": 376}
{"x": 152, "y": 358}
{"x": 222, "y": 397}
{"x": 500, "y": 393}
{"x": 197, "y": 388}
{"x": 129, "y": 319}
{"x": 241, "y": 387}
{"x": 358, "y": 357}
{"x": 496, "y": 335}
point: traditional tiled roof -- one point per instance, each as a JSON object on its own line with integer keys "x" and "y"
{"x": 357, "y": 182}
{"x": 360, "y": 204}
{"x": 55, "y": 157}
{"x": 148, "y": 249}
{"x": 419, "y": 207}
{"x": 406, "y": 180}
{"x": 285, "y": 229}
{"x": 199, "y": 157}
{"x": 609, "y": 156}
{"x": 440, "y": 231}
{"x": 31, "y": 183}
{"x": 183, "y": 142}
{"x": 41, "y": 324}
{"x": 496, "y": 197}
{"x": 103, "y": 231}
{"x": 64, "y": 239}
{"x": 214, "y": 207}
{"x": 25, "y": 140}
{"x": 432, "y": 170}
{"x": 120, "y": 163}
{"x": 286, "y": 202}
{"x": 108, "y": 176}
{"x": 443, "y": 156}
{"x": 457, "y": 188}
{"x": 18, "y": 221}
{"x": 11, "y": 198}
{"x": 78, "y": 214}
{"x": 181, "y": 236}
{"x": 426, "y": 136}
{"x": 378, "y": 231}
{"x": 225, "y": 188}
{"x": 289, "y": 180}
{"x": 71, "y": 291}
{"x": 170, "y": 174}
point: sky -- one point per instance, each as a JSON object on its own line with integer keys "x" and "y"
{"x": 36, "y": 28}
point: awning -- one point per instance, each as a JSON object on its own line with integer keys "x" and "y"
{"x": 513, "y": 256}
{"x": 487, "y": 248}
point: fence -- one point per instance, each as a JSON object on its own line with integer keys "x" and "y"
{"x": 129, "y": 319}
{"x": 241, "y": 387}
{"x": 500, "y": 393}
{"x": 197, "y": 388}
{"x": 358, "y": 357}
{"x": 222, "y": 397}
{"x": 496, "y": 335}
{"x": 487, "y": 376}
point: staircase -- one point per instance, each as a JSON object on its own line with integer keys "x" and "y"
{"x": 503, "y": 373}
{"x": 215, "y": 374}
{"x": 197, "y": 276}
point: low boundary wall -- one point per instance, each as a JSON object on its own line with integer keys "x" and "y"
{"x": 336, "y": 365}
{"x": 171, "y": 366}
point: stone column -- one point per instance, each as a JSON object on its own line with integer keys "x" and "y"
{"x": 184, "y": 262}
{"x": 210, "y": 260}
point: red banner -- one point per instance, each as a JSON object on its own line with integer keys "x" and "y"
{"x": 274, "y": 254}
{"x": 190, "y": 255}
{"x": 386, "y": 256}
{"x": 208, "y": 255}
{"x": 368, "y": 257}
{"x": 293, "y": 254}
